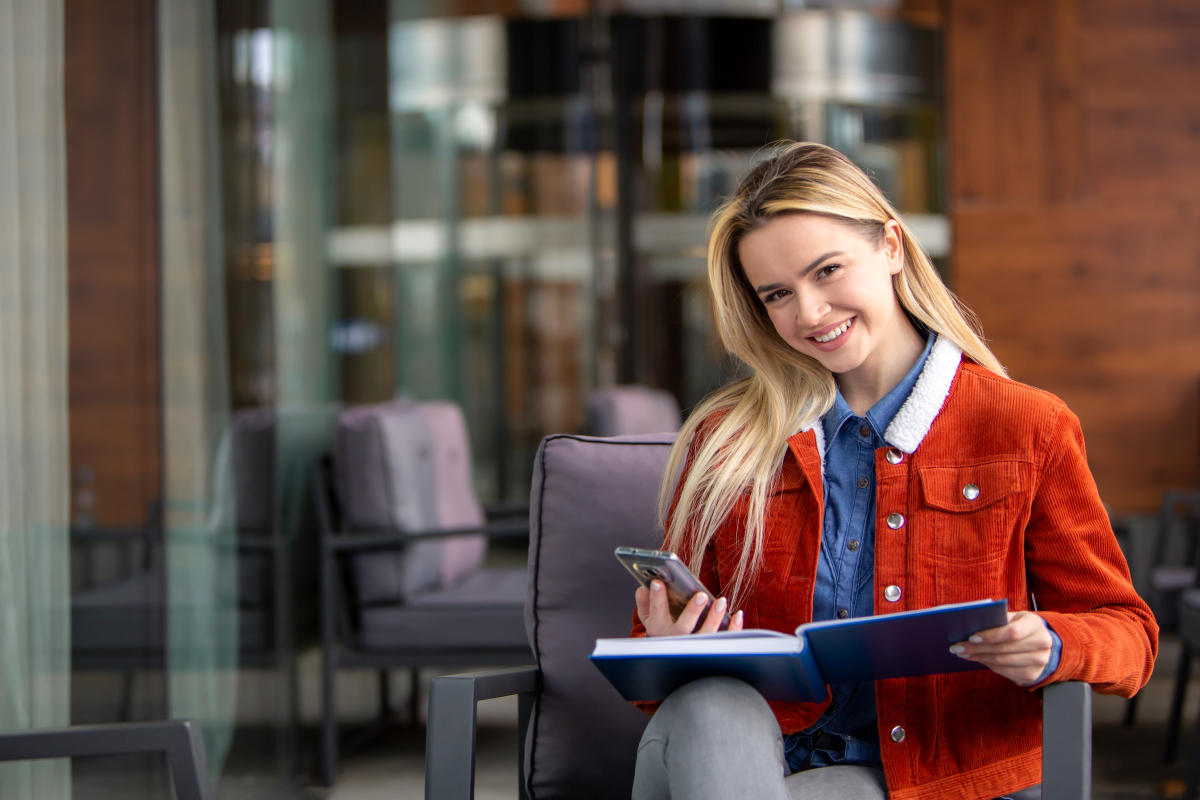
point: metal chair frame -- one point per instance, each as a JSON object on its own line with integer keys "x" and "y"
{"x": 338, "y": 650}
{"x": 179, "y": 740}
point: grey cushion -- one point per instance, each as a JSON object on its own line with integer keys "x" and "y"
{"x": 631, "y": 411}
{"x": 589, "y": 497}
{"x": 483, "y": 611}
{"x": 383, "y": 460}
{"x": 120, "y": 616}
{"x": 125, "y": 616}
{"x": 406, "y": 466}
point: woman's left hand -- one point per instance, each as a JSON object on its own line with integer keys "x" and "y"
{"x": 1019, "y": 650}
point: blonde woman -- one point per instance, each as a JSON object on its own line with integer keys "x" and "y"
{"x": 879, "y": 460}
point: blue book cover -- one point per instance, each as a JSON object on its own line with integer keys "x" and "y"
{"x": 797, "y": 668}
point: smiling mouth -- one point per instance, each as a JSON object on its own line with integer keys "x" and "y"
{"x": 833, "y": 334}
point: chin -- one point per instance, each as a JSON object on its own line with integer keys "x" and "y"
{"x": 838, "y": 363}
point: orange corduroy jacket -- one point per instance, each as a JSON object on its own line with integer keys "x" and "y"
{"x": 1037, "y": 528}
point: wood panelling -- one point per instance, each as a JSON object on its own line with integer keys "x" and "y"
{"x": 112, "y": 217}
{"x": 1074, "y": 132}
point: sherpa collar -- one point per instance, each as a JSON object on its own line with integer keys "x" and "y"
{"x": 914, "y": 419}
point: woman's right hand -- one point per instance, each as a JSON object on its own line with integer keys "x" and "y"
{"x": 655, "y": 613}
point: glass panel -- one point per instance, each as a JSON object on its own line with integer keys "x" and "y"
{"x": 34, "y": 471}
{"x": 495, "y": 246}
{"x": 199, "y": 509}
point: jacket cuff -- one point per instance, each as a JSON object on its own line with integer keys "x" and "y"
{"x": 1064, "y": 659}
{"x": 1055, "y": 654}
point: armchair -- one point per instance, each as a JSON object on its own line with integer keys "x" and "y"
{"x": 578, "y": 738}
{"x": 402, "y": 543}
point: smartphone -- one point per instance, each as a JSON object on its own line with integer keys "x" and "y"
{"x": 680, "y": 583}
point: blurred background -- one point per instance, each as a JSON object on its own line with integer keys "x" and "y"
{"x": 224, "y": 223}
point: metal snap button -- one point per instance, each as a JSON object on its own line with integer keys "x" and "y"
{"x": 895, "y": 521}
{"x": 864, "y": 431}
{"x": 862, "y": 483}
{"x": 843, "y": 613}
{"x": 894, "y": 456}
{"x": 891, "y": 594}
{"x": 852, "y": 545}
{"x": 970, "y": 491}
{"x": 897, "y": 734}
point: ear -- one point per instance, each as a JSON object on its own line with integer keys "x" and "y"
{"x": 893, "y": 246}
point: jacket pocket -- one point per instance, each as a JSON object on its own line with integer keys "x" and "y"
{"x": 970, "y": 510}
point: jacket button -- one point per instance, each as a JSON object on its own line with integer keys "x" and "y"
{"x": 895, "y": 521}
{"x": 864, "y": 431}
{"x": 891, "y": 593}
{"x": 862, "y": 483}
{"x": 843, "y": 613}
{"x": 894, "y": 456}
{"x": 852, "y": 545}
{"x": 897, "y": 734}
{"x": 970, "y": 491}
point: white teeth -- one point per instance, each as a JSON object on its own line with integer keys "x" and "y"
{"x": 835, "y": 333}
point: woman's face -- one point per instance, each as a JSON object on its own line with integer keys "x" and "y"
{"x": 828, "y": 290}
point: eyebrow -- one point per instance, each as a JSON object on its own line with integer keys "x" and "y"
{"x": 770, "y": 287}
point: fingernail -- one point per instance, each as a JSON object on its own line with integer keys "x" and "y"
{"x": 957, "y": 648}
{"x": 738, "y": 617}
{"x": 655, "y": 586}
{"x": 721, "y": 604}
{"x": 701, "y": 599}
{"x": 976, "y": 640}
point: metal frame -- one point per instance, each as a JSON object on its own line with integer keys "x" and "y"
{"x": 179, "y": 740}
{"x": 337, "y": 647}
{"x": 450, "y": 737}
{"x": 450, "y": 740}
{"x": 1067, "y": 741}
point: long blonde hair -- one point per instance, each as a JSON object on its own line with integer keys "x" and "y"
{"x": 747, "y": 423}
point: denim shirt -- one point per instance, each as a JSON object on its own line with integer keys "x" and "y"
{"x": 847, "y": 733}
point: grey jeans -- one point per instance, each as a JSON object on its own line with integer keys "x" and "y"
{"x": 716, "y": 739}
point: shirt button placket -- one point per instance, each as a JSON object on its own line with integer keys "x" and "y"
{"x": 893, "y": 470}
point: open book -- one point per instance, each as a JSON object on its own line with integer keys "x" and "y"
{"x": 797, "y": 668}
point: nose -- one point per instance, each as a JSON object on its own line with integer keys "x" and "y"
{"x": 811, "y": 308}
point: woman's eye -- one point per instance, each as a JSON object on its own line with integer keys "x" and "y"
{"x": 827, "y": 270}
{"x": 775, "y": 295}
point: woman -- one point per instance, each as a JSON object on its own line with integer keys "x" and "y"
{"x": 879, "y": 460}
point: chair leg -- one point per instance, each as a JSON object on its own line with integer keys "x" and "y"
{"x": 1193, "y": 773}
{"x": 1130, "y": 712}
{"x": 1181, "y": 682}
{"x": 329, "y": 742}
{"x": 127, "y": 696}
{"x": 414, "y": 697}
{"x": 385, "y": 695}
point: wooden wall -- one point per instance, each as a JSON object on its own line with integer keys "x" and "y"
{"x": 1074, "y": 158}
{"x": 112, "y": 215}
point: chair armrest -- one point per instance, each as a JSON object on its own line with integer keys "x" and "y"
{"x": 179, "y": 740}
{"x": 1067, "y": 741}
{"x": 370, "y": 541}
{"x": 450, "y": 736}
{"x": 496, "y": 510}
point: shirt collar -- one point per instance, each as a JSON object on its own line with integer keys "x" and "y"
{"x": 881, "y": 414}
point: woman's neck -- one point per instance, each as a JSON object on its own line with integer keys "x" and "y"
{"x": 865, "y": 386}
